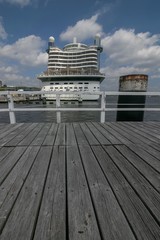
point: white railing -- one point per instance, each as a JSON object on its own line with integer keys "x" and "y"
{"x": 58, "y": 109}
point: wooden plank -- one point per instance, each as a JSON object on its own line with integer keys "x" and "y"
{"x": 89, "y": 135}
{"x": 112, "y": 222}
{"x": 152, "y": 161}
{"x": 51, "y": 135}
{"x": 60, "y": 137}
{"x": 149, "y": 196}
{"x": 51, "y": 222}
{"x": 81, "y": 218}
{"x": 30, "y": 137}
{"x": 111, "y": 138}
{"x": 23, "y": 216}
{"x": 130, "y": 135}
{"x": 12, "y": 185}
{"x": 11, "y": 134}
{"x": 132, "y": 206}
{"x": 110, "y": 128}
{"x": 38, "y": 140}
{"x": 148, "y": 132}
{"x": 2, "y": 126}
{"x": 146, "y": 170}
{"x": 81, "y": 139}
{"x": 155, "y": 146}
{"x": 8, "y": 129}
{"x": 101, "y": 138}
{"x": 136, "y": 135}
{"x": 152, "y": 149}
{"x": 70, "y": 135}
{"x": 153, "y": 126}
{"x": 4, "y": 151}
{"x": 139, "y": 134}
{"x": 10, "y": 161}
{"x": 22, "y": 134}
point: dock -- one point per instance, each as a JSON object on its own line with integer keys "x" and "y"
{"x": 80, "y": 181}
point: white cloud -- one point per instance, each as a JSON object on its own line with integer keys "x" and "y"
{"x": 21, "y": 3}
{"x": 8, "y": 70}
{"x": 114, "y": 72}
{"x": 22, "y": 59}
{"x": 3, "y": 34}
{"x": 83, "y": 29}
{"x": 27, "y": 51}
{"x": 128, "y": 53}
{"x": 125, "y": 46}
{"x": 14, "y": 76}
{"x": 125, "y": 51}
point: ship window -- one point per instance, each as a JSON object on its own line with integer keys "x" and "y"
{"x": 85, "y": 87}
{"x": 71, "y": 88}
{"x": 86, "y": 83}
{"x": 65, "y": 87}
{"x": 61, "y": 87}
{"x": 51, "y": 87}
{"x": 65, "y": 83}
{"x": 75, "y": 87}
{"x": 51, "y": 83}
{"x": 56, "y": 87}
{"x": 56, "y": 83}
{"x": 71, "y": 83}
{"x": 94, "y": 87}
{"x": 80, "y": 83}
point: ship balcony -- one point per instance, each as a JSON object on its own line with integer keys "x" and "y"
{"x": 71, "y": 72}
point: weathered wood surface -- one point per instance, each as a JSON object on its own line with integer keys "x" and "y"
{"x": 80, "y": 181}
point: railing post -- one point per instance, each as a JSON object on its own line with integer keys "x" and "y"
{"x": 103, "y": 105}
{"x": 11, "y": 109}
{"x": 58, "y": 104}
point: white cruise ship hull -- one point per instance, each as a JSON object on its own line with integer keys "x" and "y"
{"x": 77, "y": 90}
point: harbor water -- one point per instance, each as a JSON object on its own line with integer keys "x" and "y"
{"x": 78, "y": 116}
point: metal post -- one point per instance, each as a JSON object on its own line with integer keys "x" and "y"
{"x": 103, "y": 105}
{"x": 11, "y": 109}
{"x": 58, "y": 104}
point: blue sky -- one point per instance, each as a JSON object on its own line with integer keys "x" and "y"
{"x": 130, "y": 32}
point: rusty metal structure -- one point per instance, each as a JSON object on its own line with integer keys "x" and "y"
{"x": 133, "y": 82}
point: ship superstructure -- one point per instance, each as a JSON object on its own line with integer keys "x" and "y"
{"x": 75, "y": 68}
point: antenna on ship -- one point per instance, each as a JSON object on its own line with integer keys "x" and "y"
{"x": 50, "y": 43}
{"x": 97, "y": 42}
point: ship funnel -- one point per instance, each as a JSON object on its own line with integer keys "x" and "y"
{"x": 74, "y": 40}
{"x": 97, "y": 40}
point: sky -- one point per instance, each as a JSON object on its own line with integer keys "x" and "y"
{"x": 130, "y": 37}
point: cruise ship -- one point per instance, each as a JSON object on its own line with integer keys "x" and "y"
{"x": 73, "y": 69}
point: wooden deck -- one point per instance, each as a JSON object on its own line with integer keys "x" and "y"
{"x": 79, "y": 181}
